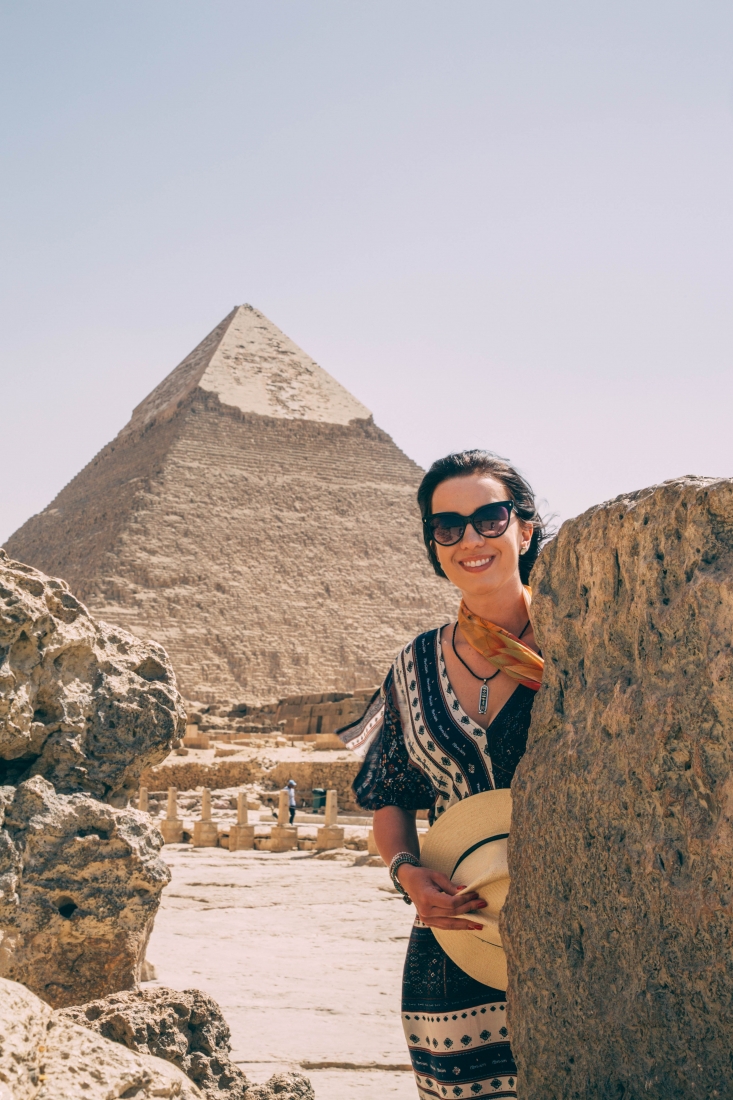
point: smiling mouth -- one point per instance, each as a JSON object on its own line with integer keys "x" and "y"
{"x": 476, "y": 564}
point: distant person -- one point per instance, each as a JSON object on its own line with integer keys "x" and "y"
{"x": 451, "y": 721}
{"x": 291, "y": 799}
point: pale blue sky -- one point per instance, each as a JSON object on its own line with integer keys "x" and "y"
{"x": 497, "y": 222}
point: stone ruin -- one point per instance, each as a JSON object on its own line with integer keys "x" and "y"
{"x": 176, "y": 530}
{"x": 619, "y": 921}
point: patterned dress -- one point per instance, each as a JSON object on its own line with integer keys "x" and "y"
{"x": 424, "y": 752}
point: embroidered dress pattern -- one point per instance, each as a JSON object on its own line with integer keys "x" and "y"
{"x": 422, "y": 751}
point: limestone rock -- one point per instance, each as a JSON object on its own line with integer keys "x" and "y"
{"x": 175, "y": 530}
{"x": 81, "y": 703}
{"x": 186, "y": 1028}
{"x": 619, "y": 921}
{"x": 46, "y": 1057}
{"x": 80, "y": 885}
{"x": 283, "y": 1086}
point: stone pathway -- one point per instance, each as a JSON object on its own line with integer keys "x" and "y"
{"x": 304, "y": 956}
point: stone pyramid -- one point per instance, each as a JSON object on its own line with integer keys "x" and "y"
{"x": 253, "y": 519}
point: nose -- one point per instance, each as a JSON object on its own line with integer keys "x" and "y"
{"x": 471, "y": 538}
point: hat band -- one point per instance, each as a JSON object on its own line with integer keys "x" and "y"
{"x": 475, "y": 847}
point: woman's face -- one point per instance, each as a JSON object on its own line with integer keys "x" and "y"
{"x": 476, "y": 565}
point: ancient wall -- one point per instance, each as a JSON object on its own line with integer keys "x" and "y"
{"x": 619, "y": 922}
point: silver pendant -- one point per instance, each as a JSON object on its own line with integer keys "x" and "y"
{"x": 483, "y": 699}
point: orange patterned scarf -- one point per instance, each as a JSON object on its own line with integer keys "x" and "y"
{"x": 502, "y": 649}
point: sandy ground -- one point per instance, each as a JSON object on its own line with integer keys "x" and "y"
{"x": 304, "y": 956}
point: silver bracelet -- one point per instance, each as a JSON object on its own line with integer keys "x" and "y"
{"x": 397, "y": 861}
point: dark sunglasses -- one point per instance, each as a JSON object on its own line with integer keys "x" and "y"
{"x": 492, "y": 520}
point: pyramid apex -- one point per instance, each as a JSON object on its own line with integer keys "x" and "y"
{"x": 251, "y": 365}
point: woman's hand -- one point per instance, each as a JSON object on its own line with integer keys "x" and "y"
{"x": 434, "y": 896}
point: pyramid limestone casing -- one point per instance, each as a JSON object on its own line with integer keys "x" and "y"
{"x": 253, "y": 519}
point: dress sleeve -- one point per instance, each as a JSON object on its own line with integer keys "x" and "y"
{"x": 387, "y": 776}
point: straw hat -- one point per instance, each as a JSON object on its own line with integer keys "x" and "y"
{"x": 468, "y": 844}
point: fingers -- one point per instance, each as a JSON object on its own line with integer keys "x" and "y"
{"x": 468, "y": 907}
{"x": 451, "y": 924}
{"x": 444, "y": 883}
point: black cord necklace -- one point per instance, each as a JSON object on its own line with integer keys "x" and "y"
{"x": 483, "y": 698}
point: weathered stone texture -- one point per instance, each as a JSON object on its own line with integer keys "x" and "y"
{"x": 87, "y": 705}
{"x": 253, "y": 519}
{"x": 81, "y": 883}
{"x": 46, "y": 1057}
{"x": 283, "y": 1086}
{"x": 186, "y": 1028}
{"x": 619, "y": 922}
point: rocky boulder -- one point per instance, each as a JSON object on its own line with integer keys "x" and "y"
{"x": 283, "y": 1086}
{"x": 190, "y": 1031}
{"x": 619, "y": 920}
{"x": 80, "y": 884}
{"x": 44, "y": 1056}
{"x": 186, "y": 1028}
{"x": 82, "y": 703}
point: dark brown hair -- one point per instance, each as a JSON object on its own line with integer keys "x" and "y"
{"x": 465, "y": 463}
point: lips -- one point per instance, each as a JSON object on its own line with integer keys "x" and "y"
{"x": 476, "y": 565}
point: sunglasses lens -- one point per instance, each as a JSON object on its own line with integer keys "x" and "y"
{"x": 445, "y": 533}
{"x": 492, "y": 521}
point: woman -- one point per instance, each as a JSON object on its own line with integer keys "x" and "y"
{"x": 451, "y": 720}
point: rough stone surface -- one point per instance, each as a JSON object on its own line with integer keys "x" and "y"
{"x": 176, "y": 529}
{"x": 46, "y": 1057}
{"x": 619, "y": 921}
{"x": 81, "y": 703}
{"x": 80, "y": 885}
{"x": 283, "y": 1086}
{"x": 186, "y": 1028}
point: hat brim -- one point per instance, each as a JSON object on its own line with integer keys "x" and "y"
{"x": 466, "y": 824}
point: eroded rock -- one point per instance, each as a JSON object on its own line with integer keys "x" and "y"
{"x": 283, "y": 1086}
{"x": 44, "y": 1056}
{"x": 82, "y": 703}
{"x": 81, "y": 883}
{"x": 186, "y": 1028}
{"x": 619, "y": 921}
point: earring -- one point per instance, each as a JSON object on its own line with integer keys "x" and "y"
{"x": 524, "y": 550}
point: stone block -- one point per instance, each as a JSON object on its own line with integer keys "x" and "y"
{"x": 372, "y": 844}
{"x": 172, "y": 831}
{"x": 283, "y": 838}
{"x": 329, "y": 836}
{"x": 619, "y": 923}
{"x": 197, "y": 740}
{"x": 328, "y": 741}
{"x": 205, "y": 834}
{"x": 241, "y": 838}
